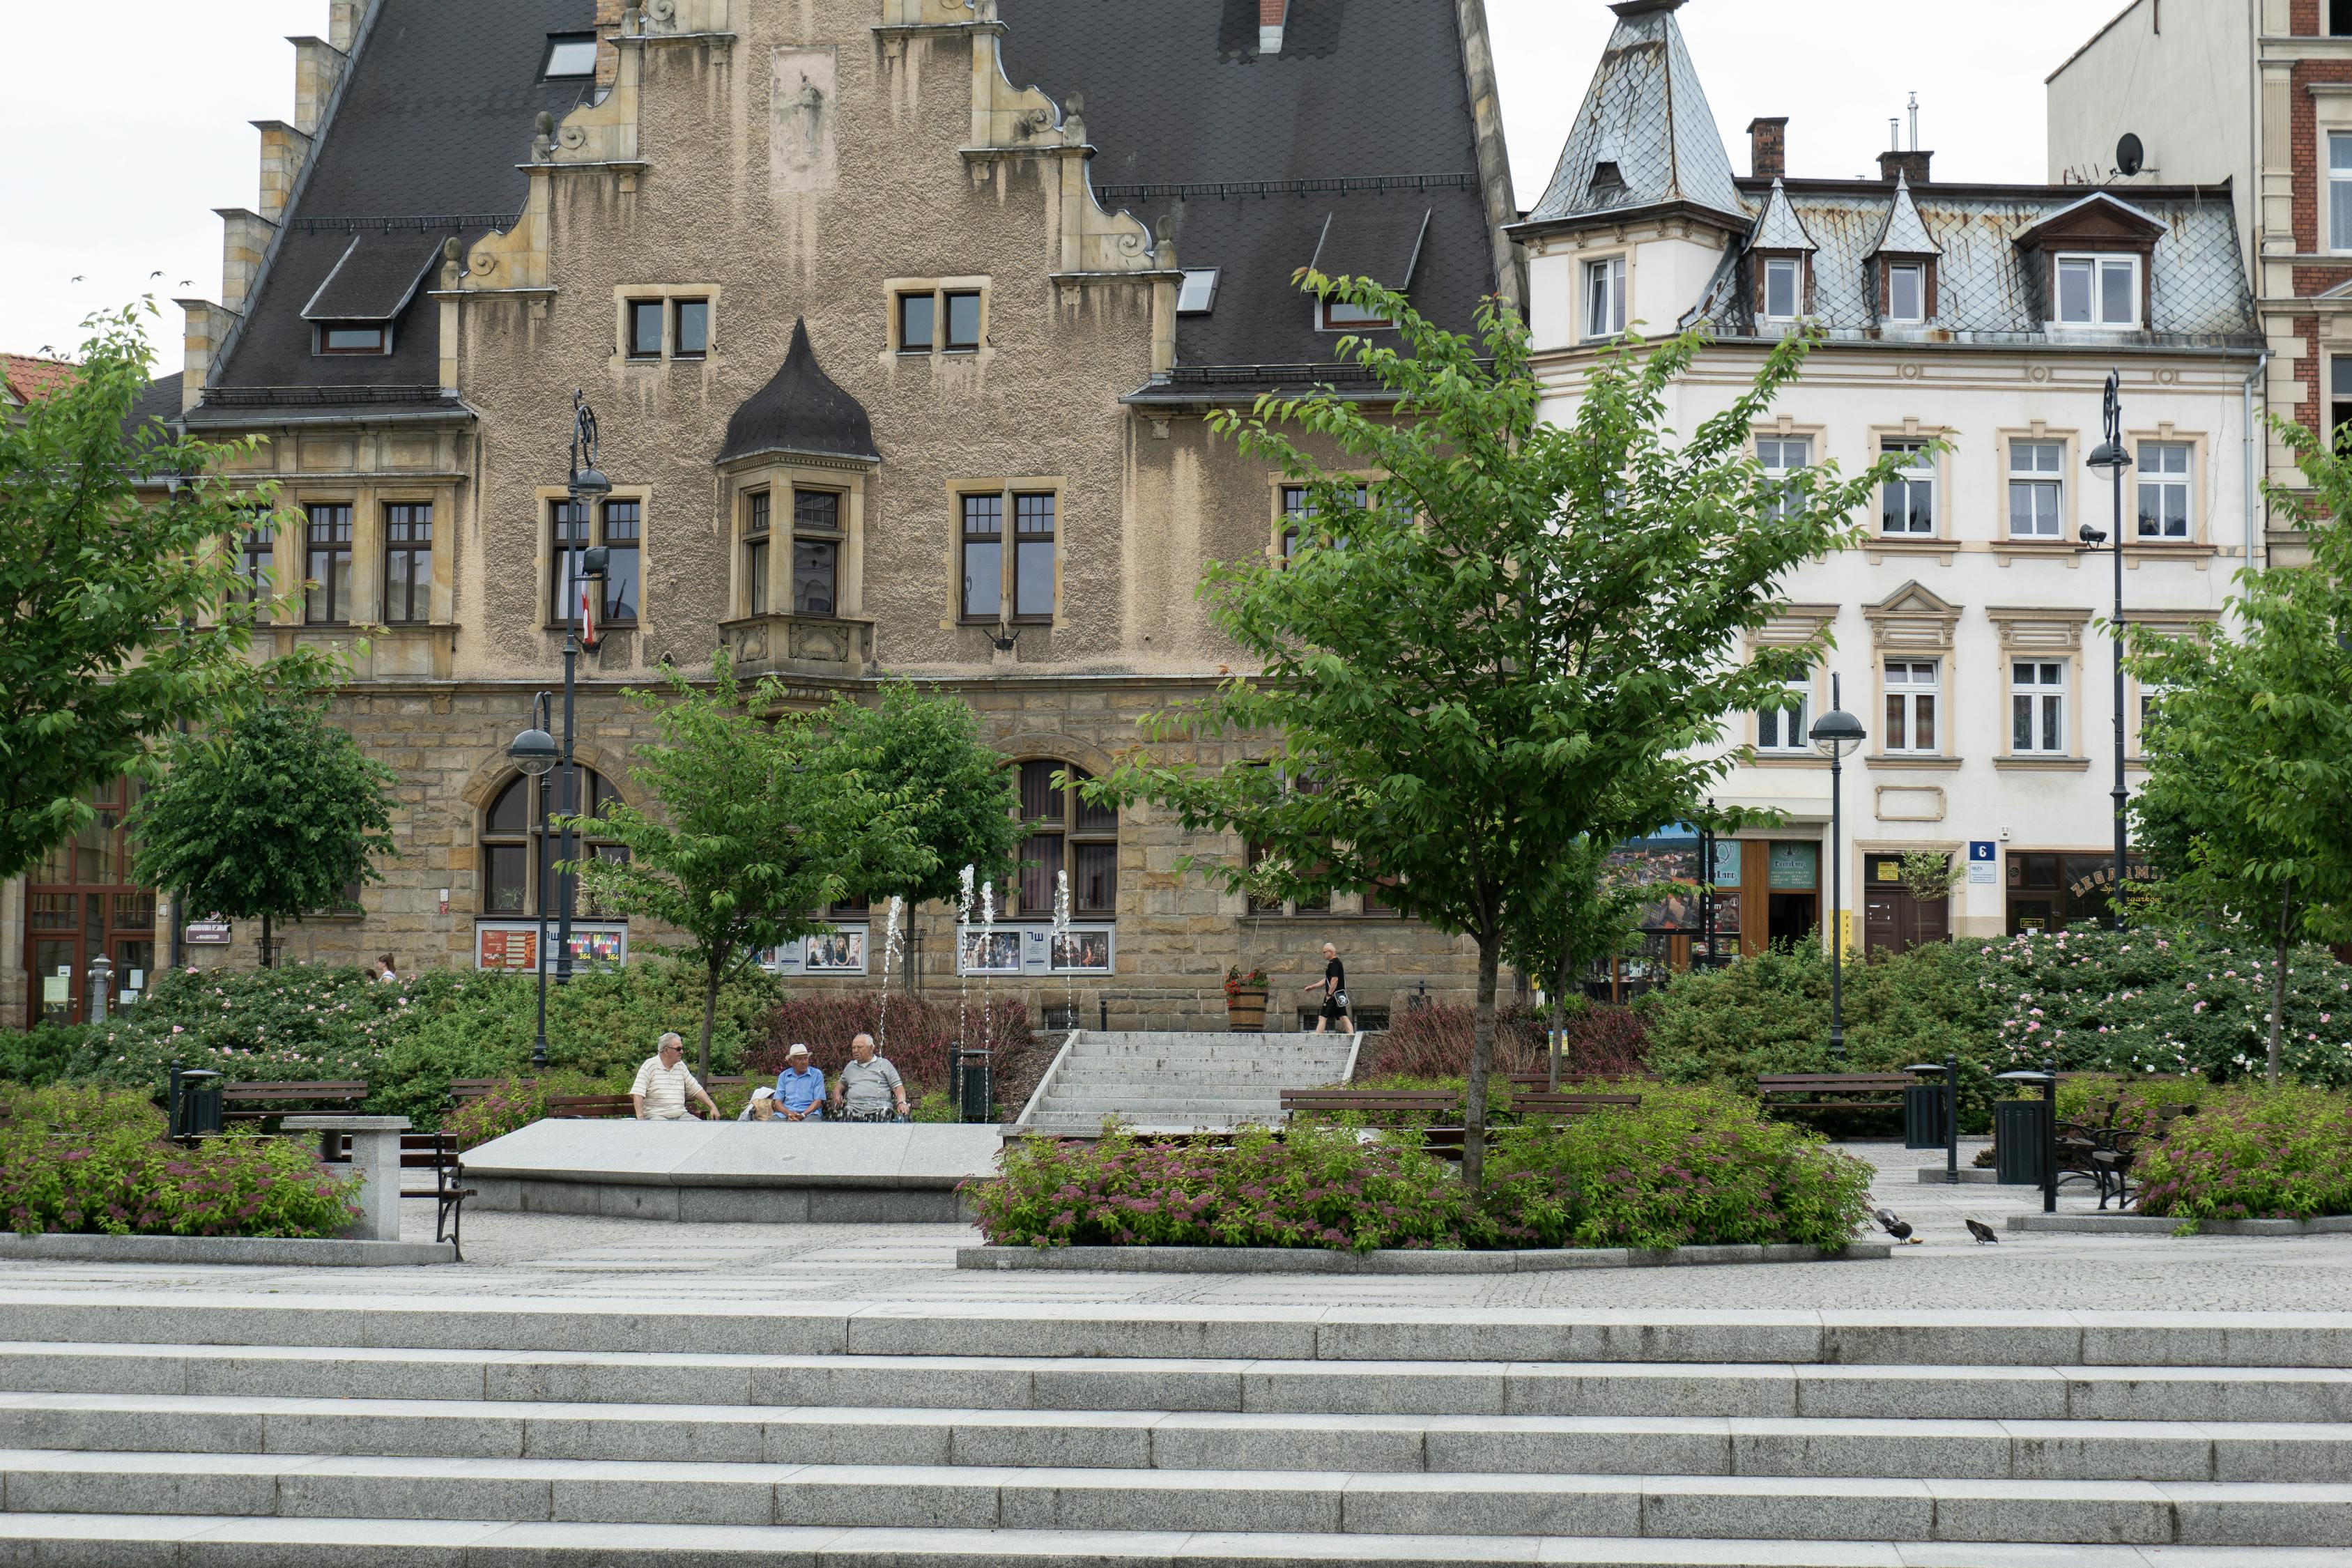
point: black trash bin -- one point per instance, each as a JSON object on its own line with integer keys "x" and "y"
{"x": 2021, "y": 1136}
{"x": 195, "y": 1103}
{"x": 976, "y": 1087}
{"x": 1923, "y": 1115}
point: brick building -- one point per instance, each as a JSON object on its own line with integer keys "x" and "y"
{"x": 901, "y": 365}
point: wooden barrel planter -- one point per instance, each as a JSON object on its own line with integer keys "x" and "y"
{"x": 1245, "y": 1008}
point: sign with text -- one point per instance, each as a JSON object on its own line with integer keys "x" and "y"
{"x": 514, "y": 944}
{"x": 1037, "y": 949}
{"x": 1984, "y": 862}
{"x": 839, "y": 952}
{"x": 213, "y": 933}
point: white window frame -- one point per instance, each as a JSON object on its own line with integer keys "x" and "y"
{"x": 1914, "y": 687}
{"x": 1784, "y": 731}
{"x": 2339, "y": 192}
{"x": 2041, "y": 486}
{"x": 1604, "y": 298}
{"x": 1793, "y": 272}
{"x": 2099, "y": 263}
{"x": 1773, "y": 453}
{"x": 1916, "y": 475}
{"x": 1197, "y": 295}
{"x": 1917, "y": 273}
{"x": 2168, "y": 484}
{"x": 2038, "y": 690}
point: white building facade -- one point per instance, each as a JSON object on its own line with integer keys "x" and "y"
{"x": 1968, "y": 629}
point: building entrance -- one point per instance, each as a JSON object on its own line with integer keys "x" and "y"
{"x": 80, "y": 900}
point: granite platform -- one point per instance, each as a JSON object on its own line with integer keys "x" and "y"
{"x": 755, "y": 1172}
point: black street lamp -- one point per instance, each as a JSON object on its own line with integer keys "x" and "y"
{"x": 1837, "y": 734}
{"x": 533, "y": 753}
{"x": 2112, "y": 458}
{"x": 587, "y": 486}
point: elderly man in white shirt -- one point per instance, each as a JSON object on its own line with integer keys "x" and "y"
{"x": 663, "y": 1084}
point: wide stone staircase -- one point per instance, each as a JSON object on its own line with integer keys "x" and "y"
{"x": 1169, "y": 1082}
{"x": 401, "y": 1433}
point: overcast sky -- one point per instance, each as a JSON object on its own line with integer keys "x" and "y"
{"x": 117, "y": 158}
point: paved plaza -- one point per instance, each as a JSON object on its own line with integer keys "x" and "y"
{"x": 566, "y": 1256}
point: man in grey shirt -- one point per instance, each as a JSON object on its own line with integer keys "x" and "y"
{"x": 867, "y": 1088}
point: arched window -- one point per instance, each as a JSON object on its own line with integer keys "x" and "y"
{"x": 514, "y": 849}
{"x": 1066, "y": 833}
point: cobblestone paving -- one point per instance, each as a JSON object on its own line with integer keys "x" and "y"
{"x": 561, "y": 1255}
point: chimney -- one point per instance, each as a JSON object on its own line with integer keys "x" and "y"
{"x": 1269, "y": 26}
{"x": 1912, "y": 165}
{"x": 1767, "y": 146}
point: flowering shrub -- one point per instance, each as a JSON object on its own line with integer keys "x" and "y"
{"x": 1236, "y": 982}
{"x": 1690, "y": 1166}
{"x": 920, "y": 1033}
{"x": 2151, "y": 1001}
{"x": 81, "y": 1160}
{"x": 2253, "y": 1153}
{"x": 516, "y": 1102}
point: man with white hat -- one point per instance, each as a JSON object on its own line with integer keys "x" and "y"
{"x": 799, "y": 1094}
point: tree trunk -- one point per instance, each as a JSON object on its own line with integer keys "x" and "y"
{"x": 265, "y": 943}
{"x": 710, "y": 1017}
{"x": 1482, "y": 1067}
{"x": 2278, "y": 984}
{"x": 1560, "y": 982}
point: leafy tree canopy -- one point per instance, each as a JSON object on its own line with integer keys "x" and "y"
{"x": 961, "y": 798}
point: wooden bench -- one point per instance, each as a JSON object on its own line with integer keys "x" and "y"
{"x": 1568, "y": 1104}
{"x": 574, "y": 1106}
{"x": 1541, "y": 1079}
{"x": 1803, "y": 1091}
{"x": 1333, "y": 1101}
{"x": 260, "y": 1101}
{"x": 434, "y": 1151}
{"x": 466, "y": 1090}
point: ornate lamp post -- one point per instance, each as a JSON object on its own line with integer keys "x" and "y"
{"x": 587, "y": 487}
{"x": 533, "y": 753}
{"x": 1837, "y": 734}
{"x": 2111, "y": 458}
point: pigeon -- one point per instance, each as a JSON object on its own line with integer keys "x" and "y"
{"x": 1983, "y": 1233}
{"x": 1893, "y": 1225}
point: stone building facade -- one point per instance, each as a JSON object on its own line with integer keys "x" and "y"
{"x": 900, "y": 366}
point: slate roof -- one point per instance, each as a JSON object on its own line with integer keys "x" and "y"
{"x": 1906, "y": 233}
{"x": 1986, "y": 285}
{"x": 800, "y": 411}
{"x": 1362, "y": 128}
{"x": 427, "y": 128}
{"x": 1645, "y": 136}
{"x": 1780, "y": 228}
{"x": 160, "y": 401}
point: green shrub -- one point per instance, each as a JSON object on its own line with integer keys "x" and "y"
{"x": 2253, "y": 1153}
{"x": 40, "y": 1055}
{"x": 515, "y": 1102}
{"x": 84, "y": 1160}
{"x": 1690, "y": 1166}
{"x": 2165, "y": 1002}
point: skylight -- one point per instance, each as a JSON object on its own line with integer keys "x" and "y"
{"x": 1198, "y": 295}
{"x": 570, "y": 54}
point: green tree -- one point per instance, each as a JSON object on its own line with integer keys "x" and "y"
{"x": 2249, "y": 743}
{"x": 1480, "y": 656}
{"x": 765, "y": 818}
{"x": 89, "y": 573}
{"x": 925, "y": 746}
{"x": 273, "y": 815}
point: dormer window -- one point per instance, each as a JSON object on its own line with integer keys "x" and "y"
{"x": 2098, "y": 290}
{"x": 570, "y": 55}
{"x": 1339, "y": 316}
{"x": 1907, "y": 292}
{"x": 1608, "y": 180}
{"x": 353, "y": 338}
{"x": 1784, "y": 289}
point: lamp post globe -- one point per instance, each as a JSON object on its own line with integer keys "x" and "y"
{"x": 1837, "y": 735}
{"x": 589, "y": 484}
{"x": 534, "y": 751}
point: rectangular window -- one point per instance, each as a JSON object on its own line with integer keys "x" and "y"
{"x": 1785, "y": 725}
{"x": 1908, "y": 501}
{"x": 622, "y": 520}
{"x": 1198, "y": 294}
{"x": 570, "y": 55}
{"x": 2339, "y": 18}
{"x": 2339, "y": 403}
{"x": 916, "y": 313}
{"x": 645, "y": 329}
{"x": 1032, "y": 557}
{"x": 1295, "y": 512}
{"x": 408, "y": 565}
{"x": 352, "y": 338}
{"x": 983, "y": 557}
{"x": 756, "y": 517}
{"x": 963, "y": 322}
{"x": 256, "y": 554}
{"x": 689, "y": 335}
{"x": 2098, "y": 291}
{"x": 1783, "y": 284}
{"x": 327, "y": 567}
{"x": 1604, "y": 298}
{"x": 816, "y": 551}
{"x": 2037, "y": 707}
{"x": 2340, "y": 191}
{"x": 1339, "y": 316}
{"x": 1907, "y": 292}
{"x": 2036, "y": 488}
{"x": 1782, "y": 457}
{"x": 567, "y": 536}
{"x": 1912, "y": 687}
{"x": 2164, "y": 478}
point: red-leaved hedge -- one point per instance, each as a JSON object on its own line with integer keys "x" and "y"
{"x": 1434, "y": 1042}
{"x": 919, "y": 1032}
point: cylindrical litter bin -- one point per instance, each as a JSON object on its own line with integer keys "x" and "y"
{"x": 195, "y": 1103}
{"x": 2021, "y": 1136}
{"x": 976, "y": 1087}
{"x": 1923, "y": 1116}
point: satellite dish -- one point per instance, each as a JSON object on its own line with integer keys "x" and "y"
{"x": 2130, "y": 156}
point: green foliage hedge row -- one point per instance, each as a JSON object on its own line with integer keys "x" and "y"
{"x": 82, "y": 1160}
{"x": 2283, "y": 1154}
{"x": 1688, "y": 1166}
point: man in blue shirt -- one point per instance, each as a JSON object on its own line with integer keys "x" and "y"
{"x": 800, "y": 1089}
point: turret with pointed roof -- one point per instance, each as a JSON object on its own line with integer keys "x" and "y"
{"x": 1645, "y": 137}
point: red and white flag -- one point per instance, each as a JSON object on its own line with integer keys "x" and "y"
{"x": 586, "y": 588}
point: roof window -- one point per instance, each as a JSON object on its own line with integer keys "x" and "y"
{"x": 353, "y": 338}
{"x": 570, "y": 55}
{"x": 1608, "y": 180}
{"x": 1198, "y": 296}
